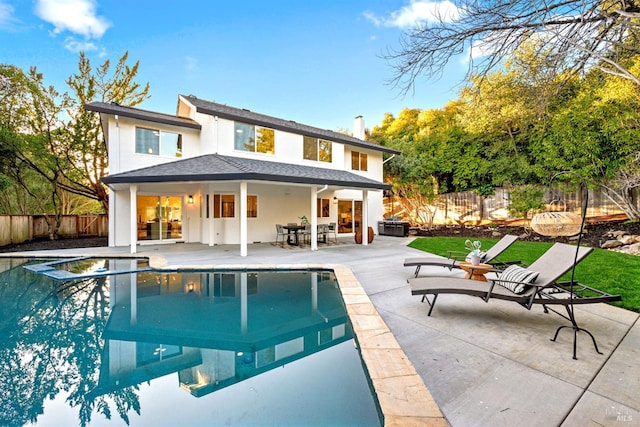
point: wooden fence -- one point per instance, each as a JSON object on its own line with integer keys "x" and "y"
{"x": 21, "y": 228}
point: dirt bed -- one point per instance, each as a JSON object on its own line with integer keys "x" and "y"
{"x": 46, "y": 244}
{"x": 595, "y": 235}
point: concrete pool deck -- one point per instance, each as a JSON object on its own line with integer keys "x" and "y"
{"x": 482, "y": 363}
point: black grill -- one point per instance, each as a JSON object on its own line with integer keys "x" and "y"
{"x": 393, "y": 226}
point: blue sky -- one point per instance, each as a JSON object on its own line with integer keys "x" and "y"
{"x": 317, "y": 63}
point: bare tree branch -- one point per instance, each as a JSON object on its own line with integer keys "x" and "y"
{"x": 578, "y": 35}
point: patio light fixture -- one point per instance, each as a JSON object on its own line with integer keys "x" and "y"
{"x": 190, "y": 199}
{"x": 566, "y": 224}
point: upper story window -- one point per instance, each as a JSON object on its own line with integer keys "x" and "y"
{"x": 158, "y": 142}
{"x": 316, "y": 149}
{"x": 358, "y": 161}
{"x": 255, "y": 139}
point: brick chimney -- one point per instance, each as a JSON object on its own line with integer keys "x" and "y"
{"x": 358, "y": 128}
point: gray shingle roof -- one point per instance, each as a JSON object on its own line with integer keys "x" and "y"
{"x": 247, "y": 116}
{"x": 215, "y": 167}
{"x": 136, "y": 113}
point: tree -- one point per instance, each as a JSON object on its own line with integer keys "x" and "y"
{"x": 621, "y": 188}
{"x": 52, "y": 135}
{"x": 87, "y": 150}
{"x": 30, "y": 130}
{"x": 575, "y": 35}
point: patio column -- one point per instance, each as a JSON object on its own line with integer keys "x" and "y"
{"x": 314, "y": 219}
{"x": 365, "y": 217}
{"x": 243, "y": 218}
{"x": 112, "y": 216}
{"x": 133, "y": 214}
{"x": 211, "y": 221}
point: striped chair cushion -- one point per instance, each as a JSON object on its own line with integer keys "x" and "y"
{"x": 515, "y": 273}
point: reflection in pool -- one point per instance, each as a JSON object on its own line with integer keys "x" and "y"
{"x": 178, "y": 348}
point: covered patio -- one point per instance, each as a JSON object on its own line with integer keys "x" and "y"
{"x": 275, "y": 189}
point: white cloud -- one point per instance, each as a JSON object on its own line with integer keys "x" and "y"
{"x": 417, "y": 13}
{"x": 6, "y": 14}
{"x": 76, "y": 16}
{"x": 481, "y": 48}
{"x": 77, "y": 46}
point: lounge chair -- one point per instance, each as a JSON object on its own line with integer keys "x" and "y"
{"x": 542, "y": 289}
{"x": 454, "y": 257}
{"x": 551, "y": 265}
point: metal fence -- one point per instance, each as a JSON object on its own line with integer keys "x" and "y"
{"x": 470, "y": 208}
{"x": 21, "y": 228}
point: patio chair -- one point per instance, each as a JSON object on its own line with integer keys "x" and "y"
{"x": 454, "y": 257}
{"x": 306, "y": 233}
{"x": 323, "y": 230}
{"x": 333, "y": 228}
{"x": 537, "y": 284}
{"x": 280, "y": 232}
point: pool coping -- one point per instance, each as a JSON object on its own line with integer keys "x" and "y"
{"x": 403, "y": 398}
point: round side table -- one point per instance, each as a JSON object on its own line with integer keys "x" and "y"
{"x": 476, "y": 272}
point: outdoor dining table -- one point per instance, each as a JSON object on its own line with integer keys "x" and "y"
{"x": 293, "y": 229}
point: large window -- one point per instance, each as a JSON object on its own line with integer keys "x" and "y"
{"x": 316, "y": 149}
{"x": 252, "y": 206}
{"x": 224, "y": 206}
{"x": 358, "y": 161}
{"x": 254, "y": 138}
{"x": 158, "y": 143}
{"x": 323, "y": 208}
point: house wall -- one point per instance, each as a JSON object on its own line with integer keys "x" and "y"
{"x": 219, "y": 135}
{"x": 122, "y": 144}
{"x": 276, "y": 203}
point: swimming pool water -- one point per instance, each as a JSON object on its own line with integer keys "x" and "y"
{"x": 178, "y": 348}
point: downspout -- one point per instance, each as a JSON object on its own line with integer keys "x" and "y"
{"x": 322, "y": 189}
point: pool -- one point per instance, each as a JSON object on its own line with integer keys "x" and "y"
{"x": 177, "y": 348}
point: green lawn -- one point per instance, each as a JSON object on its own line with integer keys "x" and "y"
{"x": 612, "y": 272}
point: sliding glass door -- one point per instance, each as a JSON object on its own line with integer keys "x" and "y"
{"x": 349, "y": 216}
{"x": 159, "y": 217}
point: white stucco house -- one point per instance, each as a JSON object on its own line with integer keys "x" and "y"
{"x": 215, "y": 174}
